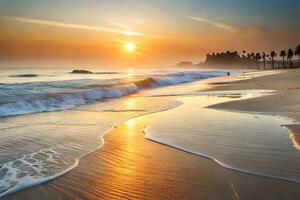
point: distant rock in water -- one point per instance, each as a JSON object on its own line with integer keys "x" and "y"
{"x": 25, "y": 75}
{"x": 76, "y": 71}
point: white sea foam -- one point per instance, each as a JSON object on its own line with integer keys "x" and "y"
{"x": 32, "y": 169}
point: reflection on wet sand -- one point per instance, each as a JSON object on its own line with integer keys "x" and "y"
{"x": 294, "y": 136}
{"x": 246, "y": 142}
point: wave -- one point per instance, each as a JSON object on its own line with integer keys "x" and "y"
{"x": 176, "y": 78}
{"x": 66, "y": 101}
{"x": 70, "y": 100}
{"x": 222, "y": 164}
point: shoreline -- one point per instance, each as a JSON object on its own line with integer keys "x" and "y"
{"x": 77, "y": 161}
{"x": 223, "y": 165}
{"x": 222, "y": 176}
{"x": 283, "y": 102}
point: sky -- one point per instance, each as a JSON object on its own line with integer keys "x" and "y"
{"x": 94, "y": 32}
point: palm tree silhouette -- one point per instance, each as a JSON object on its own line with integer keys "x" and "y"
{"x": 273, "y": 55}
{"x": 254, "y": 60}
{"x": 282, "y": 54}
{"x": 290, "y": 55}
{"x": 257, "y": 58}
{"x": 297, "y": 52}
{"x": 248, "y": 60}
{"x": 264, "y": 59}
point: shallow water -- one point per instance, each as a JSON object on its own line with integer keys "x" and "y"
{"x": 252, "y": 143}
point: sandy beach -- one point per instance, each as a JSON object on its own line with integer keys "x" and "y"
{"x": 129, "y": 166}
{"x": 284, "y": 102}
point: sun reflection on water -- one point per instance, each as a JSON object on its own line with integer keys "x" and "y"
{"x": 130, "y": 72}
{"x": 131, "y": 123}
{"x": 130, "y": 104}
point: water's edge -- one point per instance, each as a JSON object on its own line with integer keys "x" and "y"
{"x": 152, "y": 138}
{"x": 22, "y": 186}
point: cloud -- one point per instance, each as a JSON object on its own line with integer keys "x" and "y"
{"x": 215, "y": 24}
{"x": 72, "y": 26}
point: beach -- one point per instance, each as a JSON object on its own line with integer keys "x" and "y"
{"x": 128, "y": 166}
{"x": 153, "y": 100}
{"x": 284, "y": 102}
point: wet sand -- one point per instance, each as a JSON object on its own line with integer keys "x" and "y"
{"x": 130, "y": 167}
{"x": 284, "y": 102}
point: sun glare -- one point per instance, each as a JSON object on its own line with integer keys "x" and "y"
{"x": 130, "y": 47}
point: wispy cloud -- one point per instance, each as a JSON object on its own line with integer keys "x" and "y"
{"x": 72, "y": 26}
{"x": 215, "y": 23}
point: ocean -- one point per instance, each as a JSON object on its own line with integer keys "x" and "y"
{"x": 50, "y": 118}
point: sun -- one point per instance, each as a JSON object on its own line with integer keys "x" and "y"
{"x": 130, "y": 47}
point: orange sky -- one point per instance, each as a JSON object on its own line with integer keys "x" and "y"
{"x": 163, "y": 37}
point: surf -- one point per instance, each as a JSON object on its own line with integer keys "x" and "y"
{"x": 71, "y": 94}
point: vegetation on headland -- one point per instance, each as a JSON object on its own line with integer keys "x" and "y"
{"x": 81, "y": 71}
{"x": 256, "y": 60}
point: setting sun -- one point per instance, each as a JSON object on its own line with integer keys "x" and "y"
{"x": 130, "y": 47}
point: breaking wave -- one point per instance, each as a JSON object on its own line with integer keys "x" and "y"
{"x": 63, "y": 101}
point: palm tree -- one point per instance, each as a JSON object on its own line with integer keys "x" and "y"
{"x": 243, "y": 59}
{"x": 268, "y": 58}
{"x": 290, "y": 55}
{"x": 282, "y": 54}
{"x": 248, "y": 60}
{"x": 273, "y": 55}
{"x": 257, "y": 58}
{"x": 252, "y": 58}
{"x": 297, "y": 52}
{"x": 264, "y": 59}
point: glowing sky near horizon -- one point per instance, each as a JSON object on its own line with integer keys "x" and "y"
{"x": 166, "y": 31}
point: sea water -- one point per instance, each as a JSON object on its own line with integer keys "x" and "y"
{"x": 50, "y": 118}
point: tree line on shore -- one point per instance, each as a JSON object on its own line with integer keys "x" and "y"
{"x": 256, "y": 60}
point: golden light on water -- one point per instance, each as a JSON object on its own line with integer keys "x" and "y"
{"x": 130, "y": 123}
{"x": 295, "y": 140}
{"x": 129, "y": 73}
{"x": 130, "y": 104}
